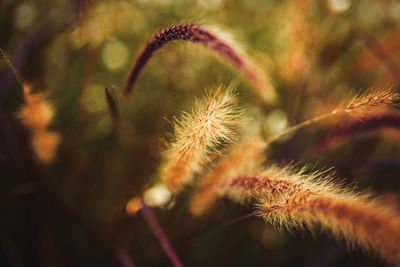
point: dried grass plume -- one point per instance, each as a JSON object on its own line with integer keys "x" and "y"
{"x": 211, "y": 122}
{"x": 214, "y": 41}
{"x": 245, "y": 157}
{"x": 290, "y": 198}
{"x": 359, "y": 105}
{"x": 36, "y": 114}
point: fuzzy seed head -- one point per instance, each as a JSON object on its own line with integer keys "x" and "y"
{"x": 212, "y": 40}
{"x": 45, "y": 145}
{"x": 245, "y": 157}
{"x": 290, "y": 198}
{"x": 36, "y": 114}
{"x": 211, "y": 122}
{"x": 386, "y": 96}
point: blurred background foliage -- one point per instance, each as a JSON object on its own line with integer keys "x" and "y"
{"x": 72, "y": 212}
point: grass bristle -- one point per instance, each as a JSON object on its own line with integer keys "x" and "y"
{"x": 213, "y": 41}
{"x": 359, "y": 105}
{"x": 290, "y": 198}
{"x": 36, "y": 114}
{"x": 386, "y": 96}
{"x": 245, "y": 157}
{"x": 211, "y": 122}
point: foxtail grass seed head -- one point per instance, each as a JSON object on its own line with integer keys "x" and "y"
{"x": 245, "y": 157}
{"x": 290, "y": 198}
{"x": 378, "y": 97}
{"x": 211, "y": 122}
{"x": 36, "y": 114}
{"x": 45, "y": 145}
{"x": 210, "y": 40}
{"x": 359, "y": 105}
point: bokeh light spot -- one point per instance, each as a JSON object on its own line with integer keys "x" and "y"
{"x": 115, "y": 55}
{"x": 157, "y": 196}
{"x": 339, "y": 5}
{"x": 276, "y": 121}
{"x": 25, "y": 15}
{"x": 133, "y": 206}
{"x": 93, "y": 98}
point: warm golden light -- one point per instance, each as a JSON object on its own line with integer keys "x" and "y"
{"x": 157, "y": 196}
